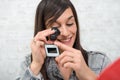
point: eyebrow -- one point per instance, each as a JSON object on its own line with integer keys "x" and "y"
{"x": 70, "y": 17}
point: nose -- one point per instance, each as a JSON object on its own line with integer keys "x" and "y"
{"x": 64, "y": 31}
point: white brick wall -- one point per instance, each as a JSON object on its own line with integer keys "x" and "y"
{"x": 99, "y": 22}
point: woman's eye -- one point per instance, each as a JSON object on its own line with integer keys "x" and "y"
{"x": 70, "y": 24}
{"x": 55, "y": 25}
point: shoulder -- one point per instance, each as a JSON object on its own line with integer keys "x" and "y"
{"x": 96, "y": 55}
{"x": 26, "y": 62}
{"x": 97, "y": 61}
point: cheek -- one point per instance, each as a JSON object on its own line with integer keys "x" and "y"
{"x": 73, "y": 32}
{"x": 73, "y": 29}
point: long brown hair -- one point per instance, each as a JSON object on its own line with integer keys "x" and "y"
{"x": 51, "y": 10}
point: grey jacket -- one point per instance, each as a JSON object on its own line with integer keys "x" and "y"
{"x": 96, "y": 61}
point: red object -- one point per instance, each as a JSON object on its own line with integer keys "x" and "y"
{"x": 112, "y": 72}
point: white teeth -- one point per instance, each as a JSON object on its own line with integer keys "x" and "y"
{"x": 66, "y": 40}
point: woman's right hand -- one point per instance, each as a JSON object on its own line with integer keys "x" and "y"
{"x": 38, "y": 50}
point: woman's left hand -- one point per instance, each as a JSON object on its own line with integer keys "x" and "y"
{"x": 72, "y": 58}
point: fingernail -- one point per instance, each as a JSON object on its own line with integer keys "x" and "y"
{"x": 53, "y": 30}
{"x": 64, "y": 66}
{"x": 56, "y": 58}
{"x": 56, "y": 42}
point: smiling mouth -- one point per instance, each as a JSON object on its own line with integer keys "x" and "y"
{"x": 66, "y": 40}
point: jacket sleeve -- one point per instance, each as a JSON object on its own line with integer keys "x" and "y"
{"x": 26, "y": 73}
{"x": 97, "y": 61}
{"x": 106, "y": 62}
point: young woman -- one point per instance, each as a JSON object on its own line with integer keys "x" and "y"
{"x": 73, "y": 63}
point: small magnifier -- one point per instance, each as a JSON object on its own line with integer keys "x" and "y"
{"x": 52, "y": 50}
{"x": 53, "y": 37}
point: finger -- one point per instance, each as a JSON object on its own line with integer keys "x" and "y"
{"x": 66, "y": 60}
{"x": 69, "y": 65}
{"x": 64, "y": 47}
{"x": 64, "y": 54}
{"x": 39, "y": 43}
{"x": 33, "y": 42}
{"x": 43, "y": 34}
{"x": 40, "y": 38}
{"x": 49, "y": 42}
{"x": 48, "y": 32}
{"x": 43, "y": 52}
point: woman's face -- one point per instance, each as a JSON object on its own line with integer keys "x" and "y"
{"x": 67, "y": 26}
